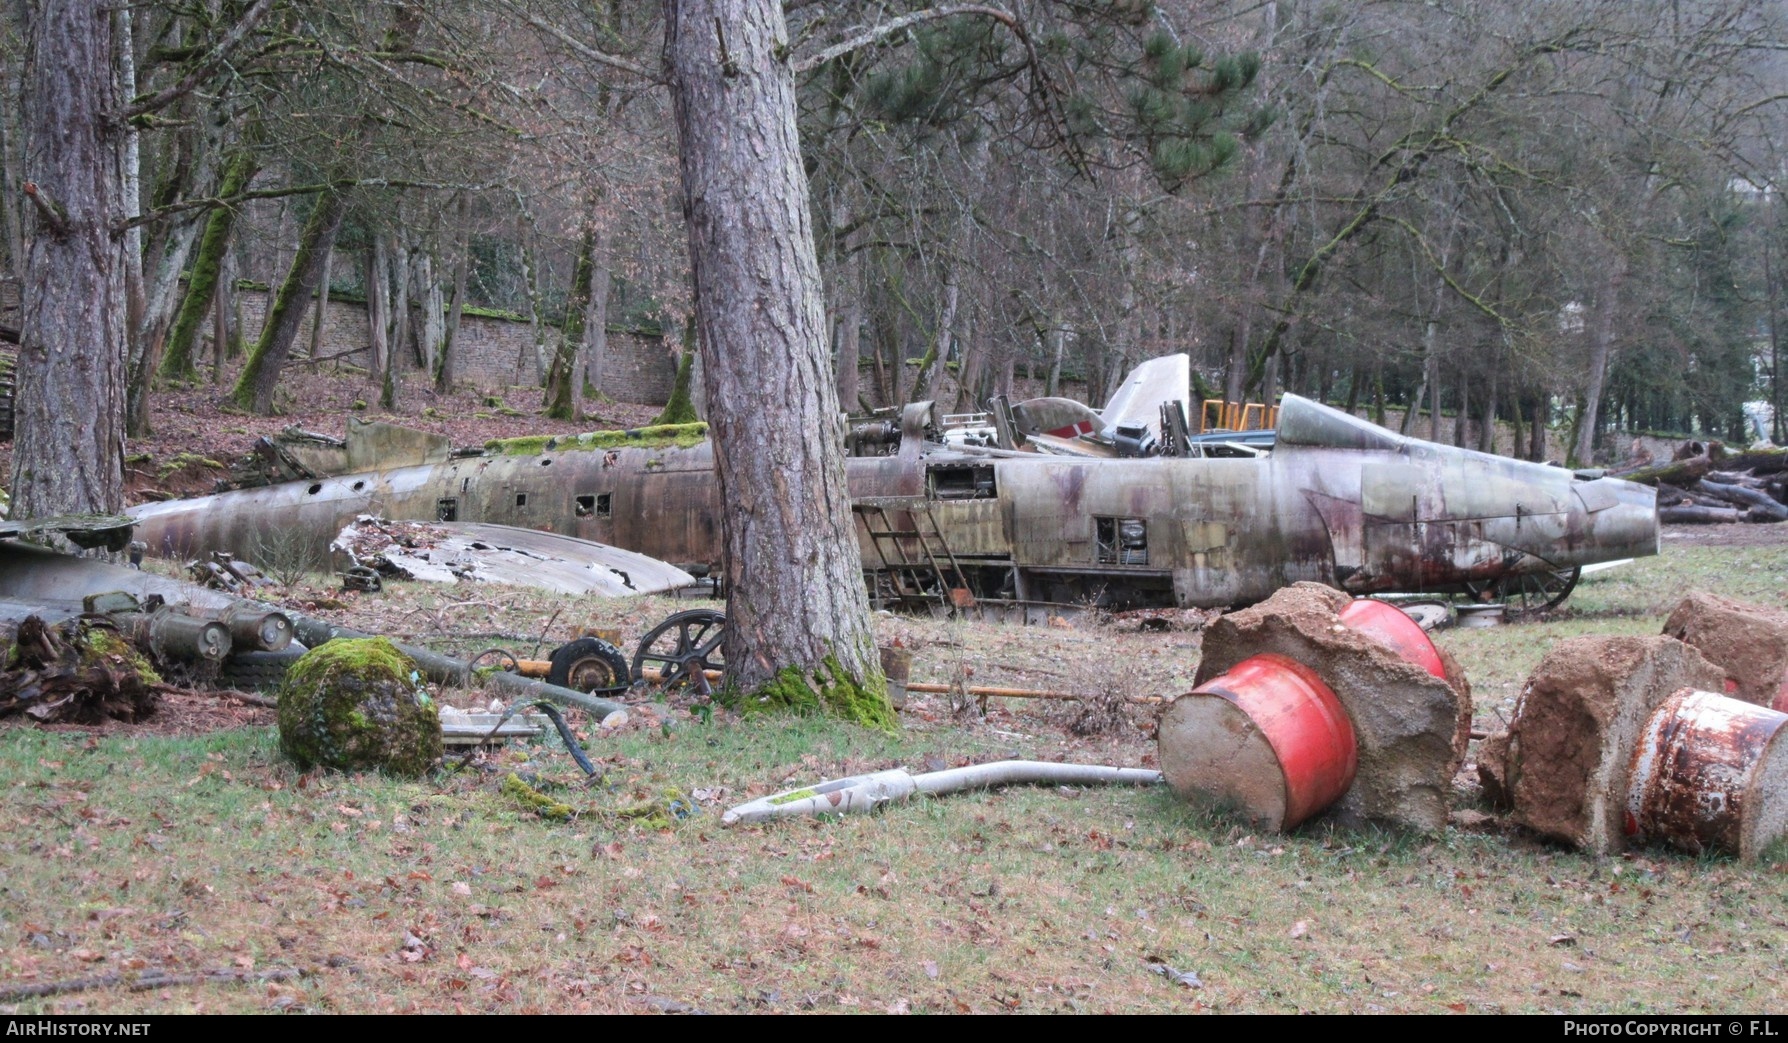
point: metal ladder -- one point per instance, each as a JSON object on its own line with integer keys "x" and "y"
{"x": 915, "y": 558}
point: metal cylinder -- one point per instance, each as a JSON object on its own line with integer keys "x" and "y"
{"x": 260, "y": 630}
{"x": 1390, "y": 626}
{"x": 1710, "y": 773}
{"x": 1268, "y": 739}
{"x": 182, "y": 637}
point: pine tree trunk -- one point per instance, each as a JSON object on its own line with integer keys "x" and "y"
{"x": 68, "y": 454}
{"x": 798, "y": 614}
{"x": 254, "y": 388}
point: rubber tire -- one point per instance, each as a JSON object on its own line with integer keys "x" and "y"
{"x": 256, "y": 671}
{"x": 566, "y": 655}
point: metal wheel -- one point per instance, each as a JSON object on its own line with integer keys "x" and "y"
{"x": 682, "y": 648}
{"x": 589, "y": 664}
{"x": 1530, "y": 593}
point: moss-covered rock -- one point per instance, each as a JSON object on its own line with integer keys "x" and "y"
{"x": 355, "y": 705}
{"x": 827, "y": 690}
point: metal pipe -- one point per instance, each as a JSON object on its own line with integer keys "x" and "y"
{"x": 861, "y": 793}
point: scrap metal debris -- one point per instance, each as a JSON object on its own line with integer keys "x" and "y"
{"x": 449, "y": 552}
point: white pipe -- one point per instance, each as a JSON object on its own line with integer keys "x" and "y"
{"x": 862, "y": 793}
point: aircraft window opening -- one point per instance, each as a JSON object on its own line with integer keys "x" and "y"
{"x": 972, "y": 482}
{"x": 545, "y": 462}
{"x": 1120, "y": 541}
{"x": 358, "y": 486}
{"x": 586, "y": 505}
{"x": 521, "y": 499}
{"x": 447, "y": 508}
{"x": 465, "y": 484}
{"x": 603, "y": 505}
{"x": 315, "y": 489}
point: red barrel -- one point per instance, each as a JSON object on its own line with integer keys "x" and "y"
{"x": 1268, "y": 738}
{"x": 1707, "y": 775}
{"x": 1390, "y": 626}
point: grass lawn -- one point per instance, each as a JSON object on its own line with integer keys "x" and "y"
{"x": 125, "y": 852}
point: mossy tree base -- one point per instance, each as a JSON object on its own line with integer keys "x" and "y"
{"x": 355, "y": 705}
{"x": 829, "y": 691}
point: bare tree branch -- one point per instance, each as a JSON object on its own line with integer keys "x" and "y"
{"x": 874, "y": 33}
{"x": 583, "y": 50}
{"x": 205, "y": 67}
{"x": 336, "y": 185}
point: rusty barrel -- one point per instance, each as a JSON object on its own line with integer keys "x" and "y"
{"x": 1267, "y": 739}
{"x": 1710, "y": 773}
{"x": 1390, "y": 626}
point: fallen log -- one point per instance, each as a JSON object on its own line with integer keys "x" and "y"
{"x": 1761, "y": 503}
{"x": 1680, "y": 473}
{"x": 1699, "y": 515}
{"x": 1759, "y": 461}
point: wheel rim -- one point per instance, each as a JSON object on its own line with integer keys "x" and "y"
{"x": 1534, "y": 592}
{"x": 592, "y": 673}
{"x": 683, "y": 648}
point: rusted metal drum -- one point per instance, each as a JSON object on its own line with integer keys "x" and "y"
{"x": 1389, "y": 626}
{"x": 1267, "y": 739}
{"x": 1710, "y": 773}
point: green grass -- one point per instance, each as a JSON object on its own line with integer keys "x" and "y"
{"x": 123, "y": 853}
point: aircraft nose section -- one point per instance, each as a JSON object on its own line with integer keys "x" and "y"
{"x": 1619, "y": 520}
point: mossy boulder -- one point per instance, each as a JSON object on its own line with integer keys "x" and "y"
{"x": 355, "y": 705}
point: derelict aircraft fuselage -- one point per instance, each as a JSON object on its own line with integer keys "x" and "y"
{"x": 1338, "y": 501}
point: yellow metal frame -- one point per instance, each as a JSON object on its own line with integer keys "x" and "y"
{"x": 1236, "y": 416}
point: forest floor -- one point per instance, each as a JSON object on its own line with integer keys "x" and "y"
{"x": 188, "y": 847}
{"x": 197, "y": 431}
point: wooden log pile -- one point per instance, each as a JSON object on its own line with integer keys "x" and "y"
{"x": 1708, "y": 484}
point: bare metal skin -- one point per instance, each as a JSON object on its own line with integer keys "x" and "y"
{"x": 1338, "y": 501}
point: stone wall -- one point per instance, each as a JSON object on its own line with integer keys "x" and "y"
{"x": 492, "y": 352}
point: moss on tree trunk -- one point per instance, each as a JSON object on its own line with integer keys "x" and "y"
{"x": 177, "y": 363}
{"x": 254, "y": 389}
{"x": 681, "y": 409}
{"x": 827, "y": 690}
{"x": 563, "y": 383}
